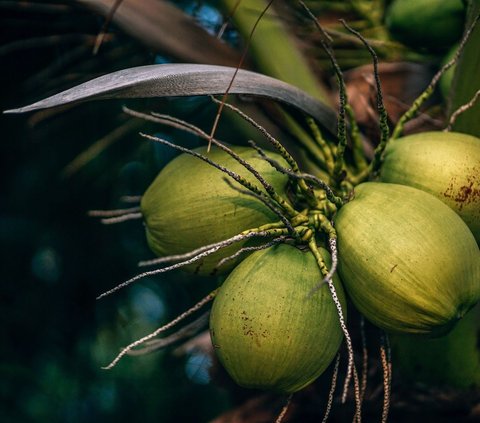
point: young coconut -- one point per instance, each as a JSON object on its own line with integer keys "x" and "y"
{"x": 431, "y": 24}
{"x": 409, "y": 262}
{"x": 452, "y": 360}
{"x": 190, "y": 205}
{"x": 268, "y": 329}
{"x": 445, "y": 164}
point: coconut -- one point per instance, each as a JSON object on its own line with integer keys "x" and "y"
{"x": 432, "y": 24}
{"x": 409, "y": 262}
{"x": 268, "y": 330}
{"x": 445, "y": 164}
{"x": 190, "y": 205}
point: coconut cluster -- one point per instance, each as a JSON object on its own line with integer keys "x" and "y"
{"x": 397, "y": 234}
{"x": 272, "y": 324}
{"x": 407, "y": 254}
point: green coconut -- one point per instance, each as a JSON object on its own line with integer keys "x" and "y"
{"x": 267, "y": 330}
{"x": 190, "y": 205}
{"x": 445, "y": 164}
{"x": 408, "y": 261}
{"x": 452, "y": 360}
{"x": 432, "y": 24}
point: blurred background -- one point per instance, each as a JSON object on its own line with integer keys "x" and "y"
{"x": 55, "y": 167}
{"x": 58, "y": 164}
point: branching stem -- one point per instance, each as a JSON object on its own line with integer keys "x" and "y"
{"x": 186, "y": 331}
{"x": 351, "y": 370}
{"x": 322, "y": 143}
{"x": 382, "y": 112}
{"x": 112, "y": 213}
{"x": 250, "y": 233}
{"x": 188, "y": 127}
{"x": 460, "y": 110}
{"x": 218, "y": 246}
{"x": 333, "y": 385}
{"x": 339, "y": 163}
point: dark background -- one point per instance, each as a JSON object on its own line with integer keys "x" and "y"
{"x": 56, "y": 260}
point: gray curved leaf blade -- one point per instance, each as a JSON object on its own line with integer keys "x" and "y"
{"x": 177, "y": 80}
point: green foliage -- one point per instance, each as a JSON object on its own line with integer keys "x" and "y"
{"x": 466, "y": 81}
{"x": 451, "y": 361}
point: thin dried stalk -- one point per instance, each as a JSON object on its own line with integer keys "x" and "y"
{"x": 162, "y": 329}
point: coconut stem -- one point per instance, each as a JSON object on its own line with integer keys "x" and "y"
{"x": 285, "y": 408}
{"x": 355, "y": 136}
{"x": 301, "y": 176}
{"x": 273, "y": 242}
{"x": 242, "y": 181}
{"x": 186, "y": 331}
{"x": 162, "y": 329}
{"x": 250, "y": 233}
{"x": 461, "y": 110}
{"x": 188, "y": 127}
{"x": 339, "y": 163}
{"x": 320, "y": 263}
{"x": 294, "y": 175}
{"x": 120, "y": 219}
{"x": 194, "y": 259}
{"x": 333, "y": 385}
{"x": 351, "y": 370}
{"x": 363, "y": 386}
{"x": 323, "y": 185}
{"x": 268, "y": 204}
{"x": 385, "y": 131}
{"x": 112, "y": 213}
{"x": 333, "y": 252}
{"x": 325, "y": 148}
{"x": 387, "y": 374}
{"x": 323, "y": 223}
{"x": 131, "y": 198}
{"x": 270, "y": 138}
{"x": 275, "y": 143}
{"x": 242, "y": 58}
